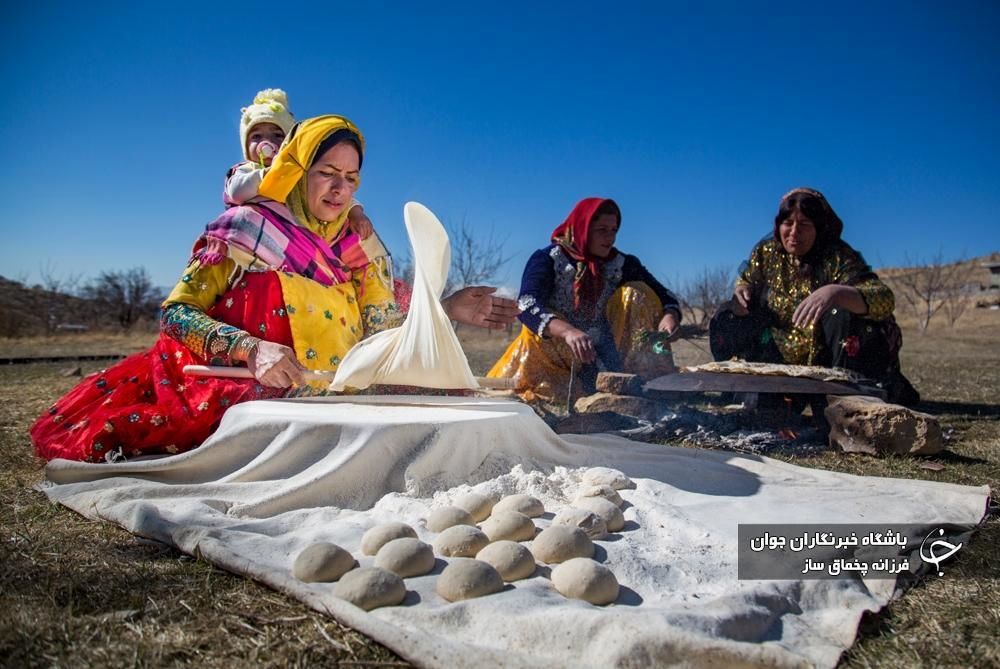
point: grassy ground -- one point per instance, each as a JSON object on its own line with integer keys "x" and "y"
{"x": 77, "y": 593}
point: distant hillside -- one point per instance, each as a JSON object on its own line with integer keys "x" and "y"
{"x": 976, "y": 273}
{"x": 33, "y": 310}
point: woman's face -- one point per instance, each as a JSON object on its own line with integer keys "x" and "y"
{"x": 601, "y": 238}
{"x": 332, "y": 180}
{"x": 798, "y": 234}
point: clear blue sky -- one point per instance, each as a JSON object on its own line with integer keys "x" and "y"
{"x": 119, "y": 121}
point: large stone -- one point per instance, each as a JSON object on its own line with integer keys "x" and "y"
{"x": 638, "y": 407}
{"x": 861, "y": 424}
{"x": 619, "y": 384}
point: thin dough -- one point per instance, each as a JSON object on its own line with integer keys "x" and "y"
{"x": 424, "y": 351}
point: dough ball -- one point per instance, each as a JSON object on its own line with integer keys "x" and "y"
{"x": 466, "y": 579}
{"x": 378, "y": 536}
{"x": 611, "y": 514}
{"x": 322, "y": 562}
{"x": 605, "y": 491}
{"x": 607, "y": 476}
{"x": 512, "y": 560}
{"x": 405, "y": 557}
{"x": 582, "y": 578}
{"x": 478, "y": 506}
{"x": 509, "y": 525}
{"x": 370, "y": 588}
{"x": 559, "y": 543}
{"x": 448, "y": 516}
{"x": 526, "y": 504}
{"x": 588, "y": 521}
{"x": 460, "y": 541}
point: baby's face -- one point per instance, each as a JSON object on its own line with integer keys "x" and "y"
{"x": 260, "y": 136}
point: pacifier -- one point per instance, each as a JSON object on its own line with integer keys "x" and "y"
{"x": 266, "y": 150}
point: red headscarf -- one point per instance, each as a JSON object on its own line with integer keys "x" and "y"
{"x": 573, "y": 236}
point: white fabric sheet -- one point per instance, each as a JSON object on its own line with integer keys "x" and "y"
{"x": 424, "y": 351}
{"x": 280, "y": 475}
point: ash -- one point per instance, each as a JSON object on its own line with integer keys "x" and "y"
{"x": 744, "y": 430}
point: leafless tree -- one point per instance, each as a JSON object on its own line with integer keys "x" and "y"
{"x": 55, "y": 282}
{"x": 957, "y": 295}
{"x": 127, "y": 295}
{"x": 924, "y": 285}
{"x": 701, "y": 296}
{"x": 476, "y": 258}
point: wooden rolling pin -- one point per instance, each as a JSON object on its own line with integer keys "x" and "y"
{"x": 244, "y": 373}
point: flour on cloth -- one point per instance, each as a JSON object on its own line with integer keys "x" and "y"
{"x": 281, "y": 475}
{"x": 424, "y": 351}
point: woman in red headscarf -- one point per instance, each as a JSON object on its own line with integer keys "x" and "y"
{"x": 586, "y": 307}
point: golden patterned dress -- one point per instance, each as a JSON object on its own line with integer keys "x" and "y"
{"x": 777, "y": 281}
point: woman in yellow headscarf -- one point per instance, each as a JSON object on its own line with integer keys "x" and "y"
{"x": 279, "y": 284}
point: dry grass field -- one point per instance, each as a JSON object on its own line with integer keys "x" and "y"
{"x": 77, "y": 593}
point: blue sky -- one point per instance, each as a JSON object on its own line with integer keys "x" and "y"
{"x": 121, "y": 119}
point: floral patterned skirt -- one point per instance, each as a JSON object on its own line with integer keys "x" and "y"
{"x": 146, "y": 405}
{"x": 541, "y": 366}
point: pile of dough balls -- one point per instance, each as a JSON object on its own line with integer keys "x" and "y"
{"x": 482, "y": 558}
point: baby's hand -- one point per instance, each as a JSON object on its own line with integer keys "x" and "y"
{"x": 359, "y": 223}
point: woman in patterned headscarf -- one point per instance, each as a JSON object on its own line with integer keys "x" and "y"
{"x": 805, "y": 297}
{"x": 280, "y": 285}
{"x": 587, "y": 307}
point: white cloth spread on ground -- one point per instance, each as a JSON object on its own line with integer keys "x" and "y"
{"x": 280, "y": 475}
{"x": 424, "y": 351}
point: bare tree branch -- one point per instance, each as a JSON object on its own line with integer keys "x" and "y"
{"x": 127, "y": 295}
{"x": 54, "y": 282}
{"x": 701, "y": 296}
{"x": 924, "y": 286}
{"x": 476, "y": 259}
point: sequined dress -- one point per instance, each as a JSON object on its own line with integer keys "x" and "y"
{"x": 778, "y": 286}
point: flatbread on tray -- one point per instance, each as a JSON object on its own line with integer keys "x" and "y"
{"x": 770, "y": 369}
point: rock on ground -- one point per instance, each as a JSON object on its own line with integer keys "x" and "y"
{"x": 860, "y": 424}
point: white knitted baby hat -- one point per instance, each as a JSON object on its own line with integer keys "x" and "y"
{"x": 269, "y": 106}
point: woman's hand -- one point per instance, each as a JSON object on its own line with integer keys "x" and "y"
{"x": 670, "y": 324}
{"x": 477, "y": 305}
{"x": 812, "y": 308}
{"x": 275, "y": 365}
{"x": 581, "y": 344}
{"x": 742, "y": 295}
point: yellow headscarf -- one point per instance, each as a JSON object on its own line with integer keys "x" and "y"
{"x": 285, "y": 179}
